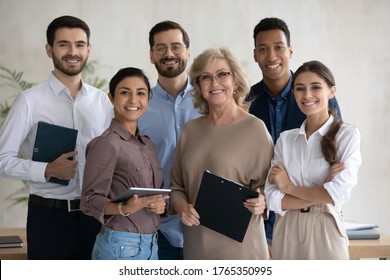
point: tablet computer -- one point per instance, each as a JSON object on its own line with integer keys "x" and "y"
{"x": 124, "y": 196}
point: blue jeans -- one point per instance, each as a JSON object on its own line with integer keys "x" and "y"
{"x": 119, "y": 245}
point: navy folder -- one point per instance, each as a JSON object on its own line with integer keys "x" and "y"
{"x": 220, "y": 206}
{"x": 52, "y": 141}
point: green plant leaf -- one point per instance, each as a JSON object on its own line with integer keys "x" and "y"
{"x": 19, "y": 196}
{"x": 14, "y": 79}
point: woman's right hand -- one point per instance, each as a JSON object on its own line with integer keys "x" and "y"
{"x": 189, "y": 216}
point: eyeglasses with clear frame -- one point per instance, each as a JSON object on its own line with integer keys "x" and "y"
{"x": 219, "y": 77}
{"x": 176, "y": 48}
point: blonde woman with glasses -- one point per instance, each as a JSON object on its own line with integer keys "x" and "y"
{"x": 230, "y": 143}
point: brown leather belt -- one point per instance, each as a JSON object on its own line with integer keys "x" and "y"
{"x": 71, "y": 205}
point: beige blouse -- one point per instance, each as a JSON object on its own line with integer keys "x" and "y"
{"x": 241, "y": 152}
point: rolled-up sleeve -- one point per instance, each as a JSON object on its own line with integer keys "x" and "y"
{"x": 273, "y": 195}
{"x": 349, "y": 149}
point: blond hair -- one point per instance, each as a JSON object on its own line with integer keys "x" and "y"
{"x": 200, "y": 63}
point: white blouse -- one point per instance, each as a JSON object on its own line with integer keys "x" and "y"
{"x": 306, "y": 165}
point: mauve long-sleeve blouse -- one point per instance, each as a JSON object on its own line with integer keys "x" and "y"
{"x": 115, "y": 161}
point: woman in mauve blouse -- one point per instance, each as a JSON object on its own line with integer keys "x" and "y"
{"x": 118, "y": 159}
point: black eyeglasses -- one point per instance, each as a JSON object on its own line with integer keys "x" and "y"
{"x": 176, "y": 48}
{"x": 219, "y": 77}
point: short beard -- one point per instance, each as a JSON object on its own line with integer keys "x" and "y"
{"x": 172, "y": 72}
{"x": 71, "y": 71}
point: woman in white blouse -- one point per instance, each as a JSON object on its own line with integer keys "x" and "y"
{"x": 312, "y": 174}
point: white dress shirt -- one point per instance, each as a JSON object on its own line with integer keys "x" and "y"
{"x": 306, "y": 165}
{"x": 90, "y": 113}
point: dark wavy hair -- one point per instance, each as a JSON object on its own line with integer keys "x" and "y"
{"x": 328, "y": 142}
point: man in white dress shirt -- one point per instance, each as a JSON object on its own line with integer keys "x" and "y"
{"x": 56, "y": 229}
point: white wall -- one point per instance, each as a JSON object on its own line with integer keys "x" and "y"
{"x": 350, "y": 36}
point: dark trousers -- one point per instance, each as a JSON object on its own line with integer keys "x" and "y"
{"x": 269, "y": 226}
{"x": 166, "y": 251}
{"x": 56, "y": 234}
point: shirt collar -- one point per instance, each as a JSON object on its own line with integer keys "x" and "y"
{"x": 163, "y": 93}
{"x": 322, "y": 130}
{"x": 57, "y": 86}
{"x": 124, "y": 133}
{"x": 285, "y": 92}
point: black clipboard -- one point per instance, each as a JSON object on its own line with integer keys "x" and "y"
{"x": 220, "y": 206}
{"x": 52, "y": 141}
{"x": 125, "y": 195}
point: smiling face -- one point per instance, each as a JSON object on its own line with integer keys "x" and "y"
{"x": 219, "y": 89}
{"x": 169, "y": 64}
{"x": 312, "y": 94}
{"x": 70, "y": 51}
{"x": 130, "y": 101}
{"x": 272, "y": 54}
